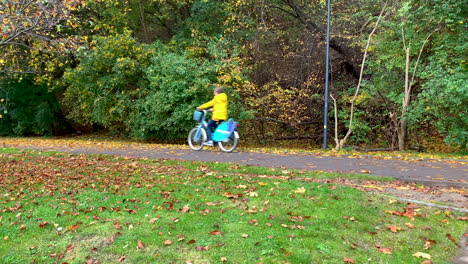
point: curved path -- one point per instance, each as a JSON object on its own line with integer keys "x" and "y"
{"x": 433, "y": 172}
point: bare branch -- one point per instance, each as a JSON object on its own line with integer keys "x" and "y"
{"x": 353, "y": 100}
{"x": 361, "y": 74}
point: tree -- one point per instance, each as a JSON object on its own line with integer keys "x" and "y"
{"x": 26, "y": 24}
{"x": 420, "y": 74}
{"x": 33, "y": 19}
{"x": 102, "y": 89}
{"x": 313, "y": 25}
{"x": 340, "y": 142}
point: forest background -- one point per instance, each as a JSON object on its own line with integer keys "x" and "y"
{"x": 138, "y": 68}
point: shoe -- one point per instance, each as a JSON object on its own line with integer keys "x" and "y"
{"x": 208, "y": 143}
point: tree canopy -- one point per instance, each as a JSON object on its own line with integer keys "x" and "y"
{"x": 138, "y": 67}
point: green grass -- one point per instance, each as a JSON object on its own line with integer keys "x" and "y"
{"x": 62, "y": 208}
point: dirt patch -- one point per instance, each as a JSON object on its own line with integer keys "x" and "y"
{"x": 444, "y": 197}
{"x": 456, "y": 198}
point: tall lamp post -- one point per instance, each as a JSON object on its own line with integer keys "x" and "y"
{"x": 327, "y": 73}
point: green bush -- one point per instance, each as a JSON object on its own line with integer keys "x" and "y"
{"x": 103, "y": 88}
{"x": 148, "y": 91}
{"x": 178, "y": 83}
{"x": 28, "y": 109}
{"x": 439, "y": 91}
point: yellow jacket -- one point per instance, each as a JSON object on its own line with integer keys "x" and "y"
{"x": 220, "y": 105}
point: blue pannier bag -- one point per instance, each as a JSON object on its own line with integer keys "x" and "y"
{"x": 224, "y": 130}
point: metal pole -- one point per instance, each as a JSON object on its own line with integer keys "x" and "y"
{"x": 327, "y": 65}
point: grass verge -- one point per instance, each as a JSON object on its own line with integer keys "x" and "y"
{"x": 61, "y": 208}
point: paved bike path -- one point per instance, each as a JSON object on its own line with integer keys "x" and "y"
{"x": 425, "y": 171}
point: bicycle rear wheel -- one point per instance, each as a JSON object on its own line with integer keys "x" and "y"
{"x": 196, "y": 138}
{"x": 229, "y": 144}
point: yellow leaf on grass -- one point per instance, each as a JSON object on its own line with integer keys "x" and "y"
{"x": 422, "y": 255}
{"x": 300, "y": 190}
{"x": 373, "y": 187}
{"x": 253, "y": 194}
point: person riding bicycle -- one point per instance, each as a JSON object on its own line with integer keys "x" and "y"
{"x": 219, "y": 105}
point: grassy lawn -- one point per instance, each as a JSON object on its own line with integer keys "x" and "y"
{"x": 62, "y": 208}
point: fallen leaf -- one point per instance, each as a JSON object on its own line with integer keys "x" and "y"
{"x": 184, "y": 209}
{"x": 215, "y": 232}
{"x": 428, "y": 243}
{"x": 223, "y": 259}
{"x": 422, "y": 255}
{"x": 384, "y": 250}
{"x": 348, "y": 260}
{"x": 450, "y": 237}
{"x": 394, "y": 228}
{"x": 70, "y": 248}
{"x": 409, "y": 225}
{"x": 153, "y": 220}
{"x": 140, "y": 244}
{"x": 300, "y": 190}
{"x": 213, "y": 204}
{"x": 112, "y": 239}
{"x": 167, "y": 242}
{"x": 203, "y": 248}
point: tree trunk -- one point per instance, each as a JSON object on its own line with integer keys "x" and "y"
{"x": 142, "y": 20}
{"x": 406, "y": 101}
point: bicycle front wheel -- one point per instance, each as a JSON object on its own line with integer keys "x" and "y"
{"x": 230, "y": 143}
{"x": 196, "y": 138}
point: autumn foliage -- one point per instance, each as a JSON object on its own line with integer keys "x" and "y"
{"x": 137, "y": 68}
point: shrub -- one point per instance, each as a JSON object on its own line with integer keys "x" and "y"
{"x": 28, "y": 109}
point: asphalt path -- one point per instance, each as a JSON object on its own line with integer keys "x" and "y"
{"x": 433, "y": 172}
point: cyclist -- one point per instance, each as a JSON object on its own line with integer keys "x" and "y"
{"x": 219, "y": 105}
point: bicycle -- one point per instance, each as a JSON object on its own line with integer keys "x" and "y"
{"x": 198, "y": 136}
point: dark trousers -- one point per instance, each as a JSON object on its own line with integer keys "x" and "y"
{"x": 212, "y": 125}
